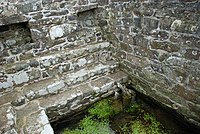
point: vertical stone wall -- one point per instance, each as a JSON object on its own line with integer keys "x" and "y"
{"x": 159, "y": 47}
{"x": 35, "y": 36}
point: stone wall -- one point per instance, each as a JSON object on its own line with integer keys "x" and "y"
{"x": 159, "y": 47}
{"x": 48, "y": 46}
{"x": 54, "y": 61}
{"x": 36, "y": 35}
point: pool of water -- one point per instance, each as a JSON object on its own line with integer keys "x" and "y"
{"x": 169, "y": 121}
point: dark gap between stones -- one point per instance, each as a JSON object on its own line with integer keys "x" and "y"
{"x": 8, "y": 30}
{"x": 4, "y": 28}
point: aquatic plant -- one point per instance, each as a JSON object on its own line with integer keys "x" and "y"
{"x": 97, "y": 121}
{"x": 102, "y": 110}
{"x": 91, "y": 126}
{"x": 134, "y": 107}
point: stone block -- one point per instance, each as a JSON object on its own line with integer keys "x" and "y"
{"x": 192, "y": 54}
{"x": 103, "y": 2}
{"x": 138, "y": 61}
{"x": 30, "y": 6}
{"x": 185, "y": 93}
{"x": 7, "y": 119}
{"x": 102, "y": 84}
{"x": 53, "y": 88}
{"x": 20, "y": 78}
{"x": 149, "y": 25}
{"x": 126, "y": 47}
{"x": 160, "y": 35}
{"x": 194, "y": 81}
{"x": 165, "y": 46}
{"x": 56, "y": 32}
{"x": 38, "y": 123}
{"x": 82, "y": 2}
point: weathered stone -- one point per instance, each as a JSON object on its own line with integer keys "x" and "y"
{"x": 126, "y": 47}
{"x": 29, "y": 7}
{"x": 34, "y": 74}
{"x": 150, "y": 24}
{"x": 48, "y": 48}
{"x": 165, "y": 46}
{"x": 38, "y": 123}
{"x": 185, "y": 93}
{"x": 21, "y": 66}
{"x": 56, "y": 32}
{"x": 7, "y": 119}
{"x": 20, "y": 78}
{"x": 10, "y": 42}
{"x": 192, "y": 54}
{"x": 102, "y": 23}
{"x": 34, "y": 63}
{"x": 55, "y": 86}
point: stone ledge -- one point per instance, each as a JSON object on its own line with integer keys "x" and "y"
{"x": 13, "y": 20}
{"x": 7, "y": 119}
{"x": 32, "y": 117}
{"x": 79, "y": 96}
{"x": 84, "y": 8}
{"x": 56, "y": 85}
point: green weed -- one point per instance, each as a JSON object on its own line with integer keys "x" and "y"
{"x": 133, "y": 108}
{"x": 90, "y": 126}
{"x": 138, "y": 128}
{"x": 102, "y": 110}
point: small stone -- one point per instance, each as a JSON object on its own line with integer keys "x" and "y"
{"x": 56, "y": 32}
{"x": 82, "y": 62}
{"x": 35, "y": 74}
{"x": 93, "y": 1}
{"x": 56, "y": 86}
{"x": 21, "y": 78}
{"x": 19, "y": 67}
{"x": 11, "y": 42}
{"x": 34, "y": 63}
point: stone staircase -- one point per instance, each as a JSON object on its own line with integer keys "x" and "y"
{"x": 92, "y": 74}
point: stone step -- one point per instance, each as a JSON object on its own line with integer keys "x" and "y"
{"x": 60, "y": 83}
{"x": 31, "y": 119}
{"x": 35, "y": 116}
{"x": 81, "y": 95}
{"x": 41, "y": 67}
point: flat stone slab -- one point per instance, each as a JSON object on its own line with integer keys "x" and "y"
{"x": 8, "y": 97}
{"x": 7, "y": 119}
{"x": 38, "y": 123}
{"x": 32, "y": 116}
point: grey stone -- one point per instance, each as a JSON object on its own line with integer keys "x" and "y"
{"x": 34, "y": 63}
{"x": 21, "y": 78}
{"x": 55, "y": 86}
{"x": 46, "y": 45}
{"x": 11, "y": 42}
{"x": 21, "y": 66}
{"x": 93, "y": 1}
{"x": 56, "y": 32}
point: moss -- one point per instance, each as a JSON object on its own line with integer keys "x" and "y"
{"x": 102, "y": 110}
{"x": 90, "y": 126}
{"x": 146, "y": 125}
{"x": 133, "y": 108}
{"x": 138, "y": 128}
{"x": 98, "y": 120}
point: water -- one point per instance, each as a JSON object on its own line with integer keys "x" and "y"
{"x": 170, "y": 122}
